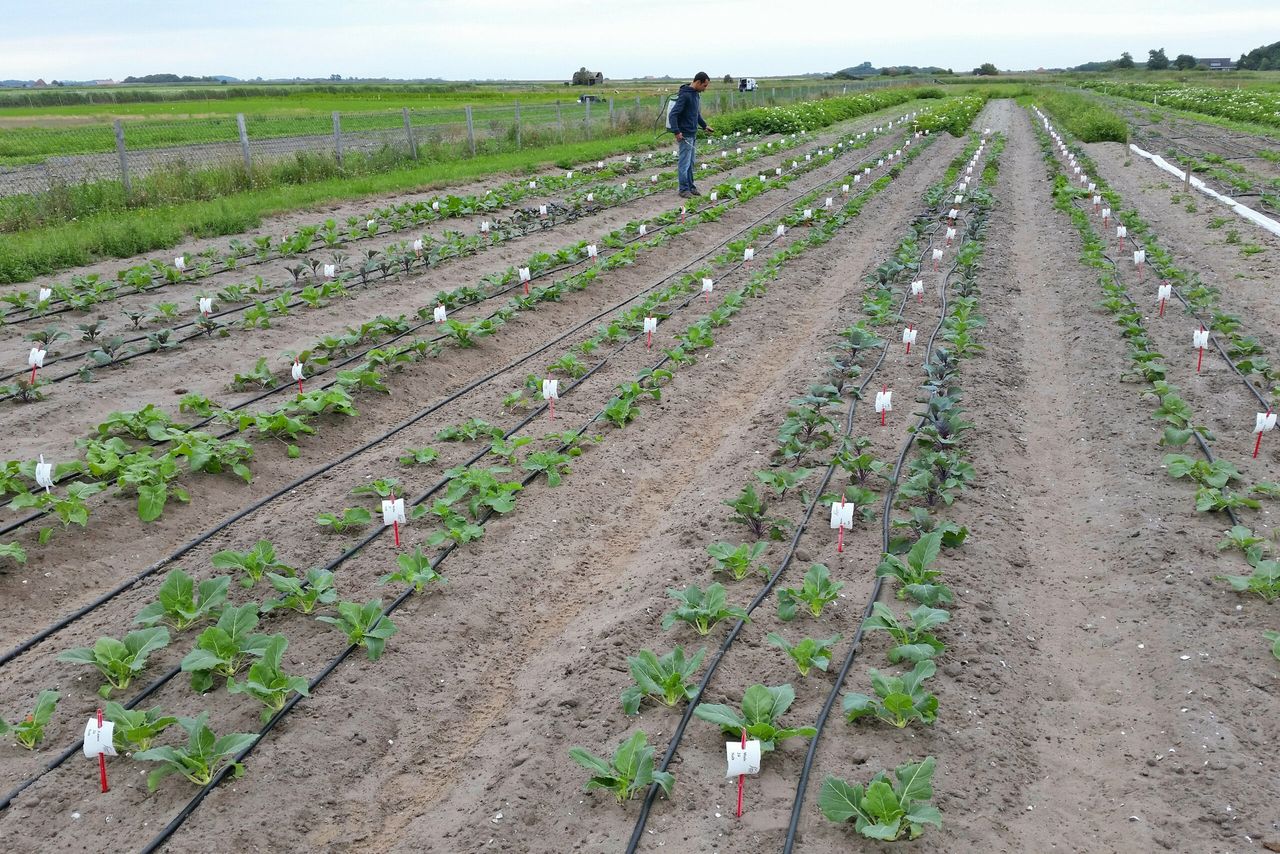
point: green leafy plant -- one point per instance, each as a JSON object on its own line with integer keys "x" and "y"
{"x": 782, "y": 481}
{"x": 136, "y": 728}
{"x": 749, "y": 509}
{"x": 629, "y": 773}
{"x": 899, "y": 700}
{"x": 1274, "y": 638}
{"x": 364, "y": 625}
{"x": 302, "y": 594}
{"x": 254, "y": 563}
{"x": 204, "y": 755}
{"x": 14, "y": 552}
{"x": 551, "y": 463}
{"x": 916, "y": 576}
{"x": 119, "y": 661}
{"x": 267, "y": 683}
{"x": 415, "y": 570}
{"x": 667, "y": 679}
{"x": 352, "y": 518}
{"x": 30, "y": 730}
{"x": 915, "y": 643}
{"x": 469, "y": 431}
{"x": 817, "y": 591}
{"x": 419, "y": 456}
{"x": 701, "y": 609}
{"x": 762, "y": 706}
{"x": 225, "y": 648}
{"x": 1242, "y": 538}
{"x": 381, "y": 488}
{"x": 808, "y": 653}
{"x": 181, "y": 603}
{"x": 482, "y": 489}
{"x": 1264, "y": 581}
{"x": 457, "y": 528}
{"x": 1216, "y": 474}
{"x": 1210, "y": 499}
{"x": 739, "y": 561}
{"x": 885, "y": 809}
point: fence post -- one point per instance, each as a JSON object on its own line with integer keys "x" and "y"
{"x": 519, "y": 135}
{"x": 244, "y": 144}
{"x": 612, "y": 123}
{"x": 124, "y": 158}
{"x": 337, "y": 136}
{"x": 587, "y": 119}
{"x": 559, "y": 119}
{"x": 408, "y": 132}
{"x": 471, "y": 131}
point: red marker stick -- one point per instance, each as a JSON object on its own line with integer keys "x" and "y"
{"x": 101, "y": 757}
{"x": 551, "y": 409}
{"x": 648, "y": 344}
{"x": 1257, "y": 446}
{"x": 742, "y": 777}
{"x": 1162, "y": 306}
{"x": 33, "y": 375}
{"x": 395, "y": 523}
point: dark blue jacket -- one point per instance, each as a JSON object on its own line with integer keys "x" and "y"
{"x": 686, "y": 115}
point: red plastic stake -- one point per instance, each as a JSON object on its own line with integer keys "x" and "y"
{"x": 648, "y": 344}
{"x": 1257, "y": 446}
{"x": 551, "y": 409}
{"x": 1200, "y": 358}
{"x": 33, "y": 375}
{"x": 742, "y": 777}
{"x": 102, "y": 759}
{"x": 395, "y": 523}
{"x": 526, "y": 288}
{"x": 839, "y": 547}
{"x": 1162, "y": 306}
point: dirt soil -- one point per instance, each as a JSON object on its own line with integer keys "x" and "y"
{"x": 1100, "y": 693}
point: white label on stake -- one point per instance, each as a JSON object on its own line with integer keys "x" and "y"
{"x": 206, "y": 304}
{"x": 297, "y": 372}
{"x": 841, "y": 515}
{"x": 1106, "y": 213}
{"x": 909, "y": 335}
{"x": 1097, "y": 200}
{"x": 737, "y": 187}
{"x": 484, "y": 226}
{"x": 417, "y": 245}
{"x": 778, "y": 171}
{"x": 591, "y": 197}
{"x": 330, "y": 270}
{"x": 1266, "y": 422}
{"x": 653, "y": 179}
{"x": 708, "y": 286}
{"x": 953, "y": 213}
{"x": 44, "y": 473}
{"x": 542, "y": 210}
{"x": 828, "y": 202}
{"x": 742, "y": 760}
{"x": 1139, "y": 256}
{"x": 624, "y": 184}
{"x": 937, "y": 254}
{"x": 808, "y": 213}
{"x": 44, "y": 294}
{"x": 99, "y": 739}
{"x": 844, "y": 188}
{"x": 857, "y": 179}
{"x": 440, "y": 314}
{"x": 371, "y": 223}
{"x": 591, "y": 250}
{"x": 1164, "y": 292}
{"x": 180, "y": 262}
{"x": 782, "y": 229}
{"x": 651, "y": 324}
{"x": 35, "y": 359}
{"x": 959, "y": 200}
{"x": 569, "y": 175}
{"x": 714, "y": 195}
{"x": 435, "y": 206}
{"x": 644, "y": 229}
{"x": 748, "y": 254}
{"x": 1092, "y": 186}
{"x": 551, "y": 389}
{"x": 1122, "y": 231}
{"x": 917, "y": 288}
{"x": 1199, "y": 339}
{"x": 951, "y": 234}
{"x": 525, "y": 275}
{"x": 884, "y": 401}
{"x": 393, "y": 512}
{"x": 599, "y": 164}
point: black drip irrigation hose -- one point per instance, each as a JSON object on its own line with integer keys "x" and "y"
{"x": 206, "y": 535}
{"x": 228, "y": 768}
{"x": 651, "y": 795}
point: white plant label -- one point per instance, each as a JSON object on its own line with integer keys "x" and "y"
{"x": 737, "y": 187}
{"x": 1265, "y": 423}
{"x": 724, "y": 154}
{"x": 959, "y": 200}
{"x": 542, "y": 210}
{"x": 330, "y": 270}
{"x": 35, "y": 359}
{"x": 591, "y": 197}
{"x": 297, "y": 372}
{"x": 180, "y": 262}
{"x": 714, "y": 195}
{"x": 1139, "y": 256}
{"x": 968, "y": 170}
{"x": 844, "y": 188}
{"x": 44, "y": 474}
{"x": 739, "y": 151}
{"x": 525, "y": 275}
{"x": 591, "y": 250}
{"x": 1097, "y": 200}
{"x": 440, "y": 314}
{"x": 371, "y": 223}
{"x": 748, "y": 254}
{"x": 808, "y": 213}
{"x": 628, "y": 158}
{"x": 44, "y": 294}
{"x": 1092, "y": 186}
{"x": 937, "y": 254}
{"x": 708, "y": 286}
{"x": 417, "y": 246}
{"x": 807, "y": 158}
{"x": 393, "y": 512}
{"x": 953, "y": 213}
{"x": 1164, "y": 292}
{"x": 909, "y": 335}
{"x": 644, "y": 229}
{"x": 551, "y": 389}
{"x": 917, "y": 288}
{"x": 568, "y": 176}
{"x": 829, "y": 202}
{"x": 1122, "y": 231}
{"x": 1200, "y": 339}
{"x": 484, "y": 226}
{"x": 653, "y": 179}
{"x": 880, "y": 162}
{"x": 651, "y": 324}
{"x": 841, "y": 515}
{"x": 435, "y": 206}
{"x": 763, "y": 178}
{"x": 782, "y": 229}
{"x": 99, "y": 738}
{"x": 951, "y": 234}
{"x": 1106, "y": 213}
{"x": 206, "y": 304}
{"x": 962, "y": 186}
{"x": 778, "y": 171}
{"x": 599, "y": 164}
{"x": 884, "y": 401}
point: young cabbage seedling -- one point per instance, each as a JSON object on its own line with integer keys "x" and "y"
{"x": 1274, "y": 638}
{"x": 817, "y": 592}
{"x": 915, "y": 643}
{"x": 119, "y": 661}
{"x": 365, "y": 625}
{"x": 352, "y": 518}
{"x": 921, "y": 523}
{"x": 419, "y": 456}
{"x": 267, "y": 683}
{"x": 762, "y": 706}
{"x": 808, "y": 653}
{"x": 739, "y": 561}
{"x": 225, "y": 648}
{"x": 1242, "y": 538}
{"x": 899, "y": 700}
{"x": 915, "y": 574}
{"x": 382, "y": 487}
{"x": 749, "y": 510}
{"x": 415, "y": 570}
{"x": 668, "y": 679}
{"x": 30, "y": 730}
{"x": 702, "y": 610}
{"x": 551, "y": 463}
{"x": 136, "y": 728}
{"x": 885, "y": 809}
{"x": 203, "y": 756}
{"x": 254, "y": 563}
{"x": 782, "y": 481}
{"x": 302, "y": 594}
{"x": 181, "y": 603}
{"x": 629, "y": 773}
{"x": 1265, "y": 580}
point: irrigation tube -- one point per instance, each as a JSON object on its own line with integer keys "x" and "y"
{"x": 206, "y": 535}
{"x": 1242, "y": 211}
{"x": 227, "y": 768}
{"x": 678, "y": 735}
{"x": 4, "y": 529}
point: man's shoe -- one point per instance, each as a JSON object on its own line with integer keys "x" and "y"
{"x": 685, "y": 194}
{"x": 695, "y": 192}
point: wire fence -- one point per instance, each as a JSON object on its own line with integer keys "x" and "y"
{"x": 263, "y": 149}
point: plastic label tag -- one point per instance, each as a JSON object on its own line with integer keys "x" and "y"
{"x": 844, "y": 188}
{"x": 542, "y": 210}
{"x": 828, "y": 202}
{"x": 937, "y": 254}
{"x": 393, "y": 512}
{"x": 330, "y": 270}
{"x": 591, "y": 197}
{"x": 808, "y": 213}
{"x": 880, "y": 162}
{"x": 1097, "y": 200}
{"x": 708, "y": 286}
{"x": 44, "y": 294}
{"x": 1164, "y": 292}
{"x": 737, "y": 187}
{"x": 1092, "y": 186}
{"x": 909, "y": 335}
{"x": 206, "y": 304}
{"x": 297, "y": 371}
{"x": 651, "y": 324}
{"x": 35, "y": 359}
{"x": 857, "y": 179}
{"x": 1106, "y": 213}
{"x": 778, "y": 171}
{"x": 1200, "y": 339}
{"x": 841, "y": 515}
{"x": 884, "y": 401}
{"x": 435, "y": 206}
{"x": 953, "y": 213}
{"x": 959, "y": 200}
{"x": 44, "y": 474}
{"x": 484, "y": 226}
{"x": 1266, "y": 422}
{"x": 524, "y": 274}
{"x": 653, "y": 179}
{"x": 1122, "y": 231}
{"x": 440, "y": 314}
{"x": 569, "y": 175}
{"x": 591, "y": 250}
{"x": 180, "y": 262}
{"x": 417, "y": 246}
{"x": 644, "y": 229}
{"x": 763, "y": 178}
{"x": 917, "y": 288}
{"x": 599, "y": 164}
{"x": 807, "y": 158}
{"x": 748, "y": 254}
{"x": 99, "y": 739}
{"x": 782, "y": 229}
{"x": 951, "y": 234}
{"x": 714, "y": 195}
{"x": 551, "y": 389}
{"x": 1139, "y": 256}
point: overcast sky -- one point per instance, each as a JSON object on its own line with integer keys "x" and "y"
{"x": 524, "y": 39}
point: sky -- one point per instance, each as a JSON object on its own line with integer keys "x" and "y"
{"x": 530, "y": 40}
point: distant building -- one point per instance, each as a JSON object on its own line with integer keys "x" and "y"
{"x": 583, "y": 77}
{"x": 1222, "y": 64}
{"x": 40, "y": 84}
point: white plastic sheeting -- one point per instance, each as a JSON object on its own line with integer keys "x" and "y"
{"x": 1241, "y": 210}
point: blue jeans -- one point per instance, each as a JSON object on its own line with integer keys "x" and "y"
{"x": 684, "y": 171}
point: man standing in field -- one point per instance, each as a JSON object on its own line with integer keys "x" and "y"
{"x": 686, "y": 118}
